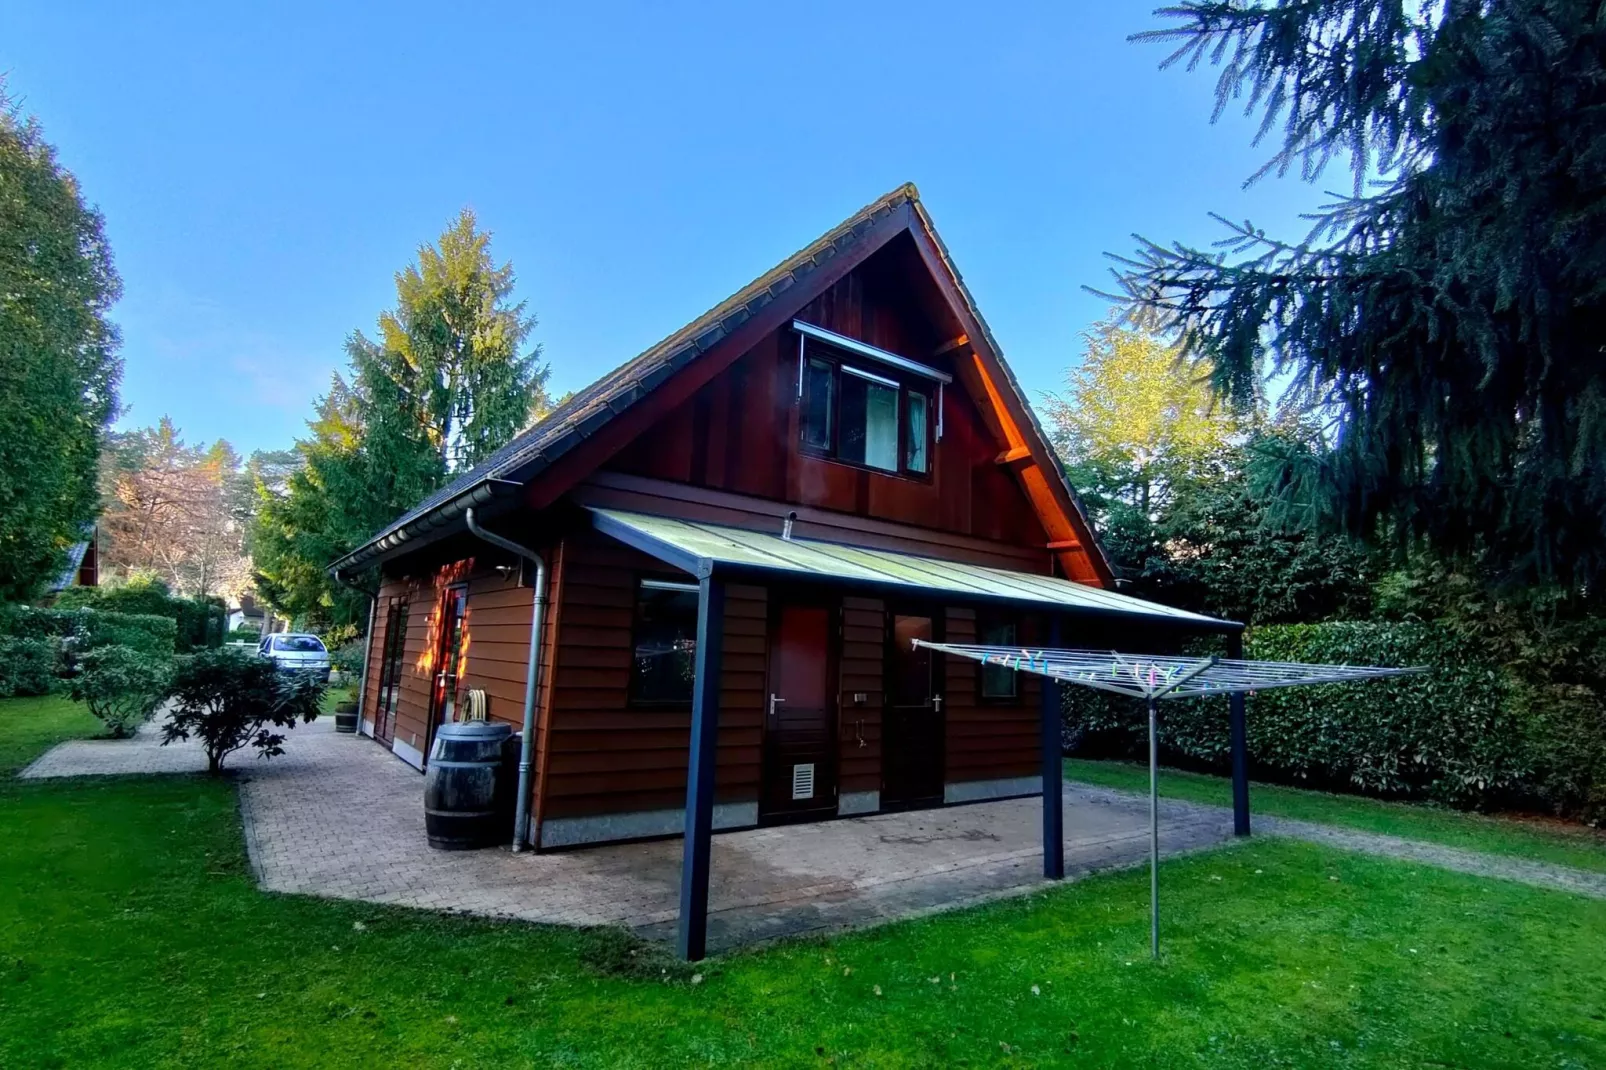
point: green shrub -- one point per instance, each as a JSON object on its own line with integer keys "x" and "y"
{"x": 245, "y": 634}
{"x": 89, "y": 628}
{"x": 347, "y": 657}
{"x": 231, "y": 700}
{"x": 27, "y": 665}
{"x": 1452, "y": 734}
{"x": 145, "y": 632}
{"x": 30, "y": 622}
{"x": 199, "y": 623}
{"x": 122, "y": 686}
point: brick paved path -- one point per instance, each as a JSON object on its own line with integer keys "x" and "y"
{"x": 339, "y": 816}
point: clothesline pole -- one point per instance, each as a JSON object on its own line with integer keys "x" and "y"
{"x": 1154, "y": 828}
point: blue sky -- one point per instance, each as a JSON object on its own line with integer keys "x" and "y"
{"x": 264, "y": 174}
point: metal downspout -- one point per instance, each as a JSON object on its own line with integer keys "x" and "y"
{"x": 521, "y": 813}
{"x": 368, "y": 646}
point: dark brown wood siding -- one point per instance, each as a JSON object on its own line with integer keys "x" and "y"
{"x": 863, "y": 662}
{"x": 988, "y": 740}
{"x": 606, "y": 756}
{"x": 739, "y": 433}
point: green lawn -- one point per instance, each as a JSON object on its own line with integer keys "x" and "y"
{"x": 131, "y": 934}
{"x": 1570, "y": 845}
{"x": 31, "y": 726}
{"x": 333, "y": 695}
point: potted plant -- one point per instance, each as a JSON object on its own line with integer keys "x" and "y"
{"x": 346, "y": 716}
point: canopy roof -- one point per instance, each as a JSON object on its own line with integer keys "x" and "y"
{"x": 1152, "y": 676}
{"x": 707, "y": 549}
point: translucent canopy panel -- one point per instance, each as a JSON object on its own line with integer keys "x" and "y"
{"x": 704, "y": 549}
{"x": 1150, "y": 676}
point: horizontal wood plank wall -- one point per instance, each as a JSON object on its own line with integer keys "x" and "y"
{"x": 987, "y": 740}
{"x": 740, "y": 432}
{"x": 550, "y": 638}
{"x": 863, "y": 662}
{"x": 496, "y": 640}
{"x": 607, "y": 757}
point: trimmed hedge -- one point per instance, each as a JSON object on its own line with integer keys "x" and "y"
{"x": 27, "y": 665}
{"x": 199, "y": 623}
{"x": 91, "y": 628}
{"x": 1454, "y": 734}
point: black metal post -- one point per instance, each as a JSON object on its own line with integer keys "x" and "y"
{"x": 692, "y": 941}
{"x": 1053, "y": 772}
{"x": 1240, "y": 745}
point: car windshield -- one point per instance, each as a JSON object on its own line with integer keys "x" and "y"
{"x": 299, "y": 644}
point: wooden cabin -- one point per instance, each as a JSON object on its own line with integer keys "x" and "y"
{"x": 830, "y": 463}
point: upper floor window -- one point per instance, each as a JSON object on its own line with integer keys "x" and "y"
{"x": 864, "y": 417}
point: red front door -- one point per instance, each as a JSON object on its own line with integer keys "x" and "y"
{"x": 448, "y": 656}
{"x": 800, "y": 720}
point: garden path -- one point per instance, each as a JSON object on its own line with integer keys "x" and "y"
{"x": 1477, "y": 863}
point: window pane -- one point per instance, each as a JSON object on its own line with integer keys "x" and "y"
{"x": 997, "y": 681}
{"x": 869, "y": 423}
{"x": 665, "y": 645}
{"x": 818, "y": 405}
{"x": 916, "y": 453}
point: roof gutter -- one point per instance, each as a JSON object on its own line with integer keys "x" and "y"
{"x": 521, "y": 814}
{"x": 424, "y": 528}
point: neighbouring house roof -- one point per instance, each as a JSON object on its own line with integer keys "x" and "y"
{"x": 69, "y": 571}
{"x": 588, "y": 411}
{"x": 705, "y": 549}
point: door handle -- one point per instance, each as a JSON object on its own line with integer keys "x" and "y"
{"x": 775, "y": 700}
{"x": 936, "y": 703}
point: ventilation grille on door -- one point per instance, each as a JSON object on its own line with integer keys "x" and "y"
{"x": 803, "y": 781}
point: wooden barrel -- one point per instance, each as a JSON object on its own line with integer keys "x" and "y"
{"x": 465, "y": 797}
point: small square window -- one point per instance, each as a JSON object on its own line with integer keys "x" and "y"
{"x": 998, "y": 682}
{"x": 665, "y": 643}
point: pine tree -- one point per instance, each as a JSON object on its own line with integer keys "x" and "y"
{"x": 445, "y": 384}
{"x": 446, "y": 374}
{"x": 1448, "y": 316}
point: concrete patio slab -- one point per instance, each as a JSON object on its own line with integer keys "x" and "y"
{"x": 339, "y": 816}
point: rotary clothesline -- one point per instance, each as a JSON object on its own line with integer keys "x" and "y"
{"x": 1152, "y": 677}
{"x": 1159, "y": 676}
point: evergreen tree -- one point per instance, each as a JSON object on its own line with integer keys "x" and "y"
{"x": 58, "y": 363}
{"x": 1448, "y": 317}
{"x": 315, "y": 512}
{"x": 446, "y": 375}
{"x": 445, "y": 384}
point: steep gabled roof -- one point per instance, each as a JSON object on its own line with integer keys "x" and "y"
{"x": 587, "y": 412}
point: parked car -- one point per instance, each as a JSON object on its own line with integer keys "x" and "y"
{"x": 295, "y": 652}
